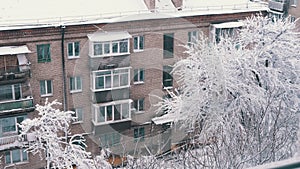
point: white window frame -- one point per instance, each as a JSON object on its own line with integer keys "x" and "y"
{"x": 76, "y": 89}
{"x": 110, "y": 53}
{"x": 193, "y": 36}
{"x": 78, "y": 110}
{"x": 97, "y": 113}
{"x": 137, "y": 109}
{"x": 73, "y": 56}
{"x": 114, "y": 75}
{"x": 139, "y": 41}
{"x": 137, "y": 72}
{"x": 21, "y": 157}
{"x": 46, "y": 88}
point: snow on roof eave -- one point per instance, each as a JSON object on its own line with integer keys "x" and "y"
{"x": 229, "y": 25}
{"x": 108, "y": 36}
{"x": 12, "y": 50}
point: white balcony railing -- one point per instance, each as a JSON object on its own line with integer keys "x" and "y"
{"x": 7, "y": 142}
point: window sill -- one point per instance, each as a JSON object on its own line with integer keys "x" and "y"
{"x": 75, "y": 91}
{"x": 168, "y": 88}
{"x": 140, "y": 112}
{"x": 138, "y": 50}
{"x": 18, "y": 163}
{"x": 138, "y": 83}
{"x": 109, "y": 122}
{"x": 73, "y": 57}
{"x": 109, "y": 55}
{"x": 295, "y": 6}
{"x": 47, "y": 95}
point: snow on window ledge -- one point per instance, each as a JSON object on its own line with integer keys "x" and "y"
{"x": 75, "y": 91}
{"x": 139, "y": 112}
{"x": 47, "y": 95}
{"x": 138, "y": 82}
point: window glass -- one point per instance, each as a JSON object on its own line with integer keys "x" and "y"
{"x": 125, "y": 110}
{"x": 6, "y": 92}
{"x": 100, "y": 83}
{"x": 70, "y": 49}
{"x": 76, "y": 44}
{"x": 107, "y": 81}
{"x": 135, "y": 42}
{"x": 8, "y": 124}
{"x": 124, "y": 79}
{"x": 109, "y": 113}
{"x": 117, "y": 114}
{"x": 7, "y": 157}
{"x": 168, "y": 45}
{"x": 43, "y": 53}
{"x": 141, "y": 44}
{"x": 115, "y": 47}
{"x": 101, "y": 114}
{"x": 106, "y": 48}
{"x": 16, "y": 156}
{"x": 124, "y": 46}
{"x": 98, "y": 49}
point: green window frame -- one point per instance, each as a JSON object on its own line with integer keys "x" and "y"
{"x": 168, "y": 45}
{"x": 43, "y": 53}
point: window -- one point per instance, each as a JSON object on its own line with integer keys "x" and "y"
{"x": 73, "y": 50}
{"x": 111, "y": 79}
{"x": 139, "y": 134}
{"x": 168, "y": 45}
{"x": 224, "y": 30}
{"x": 139, "y": 104}
{"x": 78, "y": 114}
{"x": 110, "y": 48}
{"x": 113, "y": 112}
{"x": 10, "y": 92}
{"x": 9, "y": 124}
{"x": 110, "y": 139}
{"x": 138, "y": 75}
{"x": 192, "y": 37}
{"x": 46, "y": 87}
{"x": 294, "y": 3}
{"x": 75, "y": 84}
{"x": 138, "y": 43}
{"x": 43, "y": 52}
{"x": 167, "y": 77}
{"x": 15, "y": 156}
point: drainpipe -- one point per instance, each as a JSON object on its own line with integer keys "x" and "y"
{"x": 65, "y": 102}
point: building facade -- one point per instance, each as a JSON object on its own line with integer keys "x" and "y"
{"x": 109, "y": 70}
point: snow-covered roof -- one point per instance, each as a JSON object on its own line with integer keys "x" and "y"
{"x": 164, "y": 119}
{"x": 12, "y": 50}
{"x": 210, "y": 3}
{"x": 18, "y": 14}
{"x": 108, "y": 36}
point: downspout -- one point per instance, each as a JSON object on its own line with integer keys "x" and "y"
{"x": 65, "y": 99}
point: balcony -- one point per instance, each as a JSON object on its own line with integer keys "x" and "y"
{"x": 277, "y": 5}
{"x": 110, "y": 79}
{"x": 7, "y": 142}
{"x": 14, "y": 74}
{"x": 13, "y": 106}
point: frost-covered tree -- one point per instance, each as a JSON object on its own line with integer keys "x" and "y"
{"x": 241, "y": 95}
{"x": 51, "y": 130}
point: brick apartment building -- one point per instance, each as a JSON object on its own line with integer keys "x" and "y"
{"x": 107, "y": 68}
